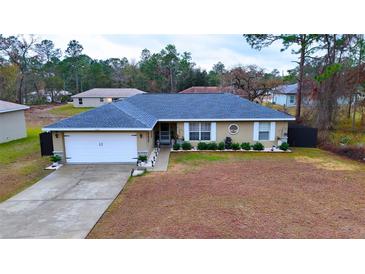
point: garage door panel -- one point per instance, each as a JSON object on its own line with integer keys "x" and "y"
{"x": 101, "y": 147}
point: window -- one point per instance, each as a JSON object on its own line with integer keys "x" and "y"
{"x": 205, "y": 131}
{"x": 80, "y": 101}
{"x": 101, "y": 100}
{"x": 199, "y": 131}
{"x": 264, "y": 131}
{"x": 115, "y": 99}
{"x": 233, "y": 129}
{"x": 291, "y": 99}
{"x": 194, "y": 131}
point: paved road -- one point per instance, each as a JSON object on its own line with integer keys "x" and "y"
{"x": 65, "y": 204}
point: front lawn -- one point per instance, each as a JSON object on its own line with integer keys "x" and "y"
{"x": 67, "y": 110}
{"x": 21, "y": 164}
{"x": 309, "y": 193}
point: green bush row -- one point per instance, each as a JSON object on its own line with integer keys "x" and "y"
{"x": 221, "y": 146}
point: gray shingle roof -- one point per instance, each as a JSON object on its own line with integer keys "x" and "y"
{"x": 144, "y": 110}
{"x": 287, "y": 89}
{"x": 108, "y": 92}
{"x": 8, "y": 106}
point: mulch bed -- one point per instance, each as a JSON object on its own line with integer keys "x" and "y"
{"x": 257, "y": 198}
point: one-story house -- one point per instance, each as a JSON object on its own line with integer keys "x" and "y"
{"x": 285, "y": 95}
{"x": 12, "y": 121}
{"x": 120, "y": 131}
{"x": 97, "y": 97}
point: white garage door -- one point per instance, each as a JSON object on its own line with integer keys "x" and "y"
{"x": 100, "y": 147}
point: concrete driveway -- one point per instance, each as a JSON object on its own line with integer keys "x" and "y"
{"x": 65, "y": 204}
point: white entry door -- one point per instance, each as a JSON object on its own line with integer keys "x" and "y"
{"x": 90, "y": 147}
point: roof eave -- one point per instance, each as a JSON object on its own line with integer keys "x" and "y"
{"x": 96, "y": 129}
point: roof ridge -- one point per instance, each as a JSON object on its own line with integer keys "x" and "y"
{"x": 139, "y": 120}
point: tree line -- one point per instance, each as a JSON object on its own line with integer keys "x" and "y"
{"x": 29, "y": 66}
{"x": 330, "y": 66}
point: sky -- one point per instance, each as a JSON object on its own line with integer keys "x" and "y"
{"x": 206, "y": 50}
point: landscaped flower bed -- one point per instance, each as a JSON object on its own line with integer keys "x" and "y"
{"x": 222, "y": 147}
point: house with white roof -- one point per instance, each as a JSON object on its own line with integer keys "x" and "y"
{"x": 97, "y": 97}
{"x": 12, "y": 121}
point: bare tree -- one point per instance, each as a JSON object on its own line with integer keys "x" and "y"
{"x": 251, "y": 82}
{"x": 18, "y": 50}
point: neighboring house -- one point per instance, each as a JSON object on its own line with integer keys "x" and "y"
{"x": 12, "y": 121}
{"x": 284, "y": 95}
{"x": 100, "y": 96}
{"x": 203, "y": 89}
{"x": 120, "y": 131}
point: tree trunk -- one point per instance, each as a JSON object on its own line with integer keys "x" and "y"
{"x": 354, "y": 114}
{"x": 300, "y": 80}
{"x": 20, "y": 97}
{"x": 349, "y": 108}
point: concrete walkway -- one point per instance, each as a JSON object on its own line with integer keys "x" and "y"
{"x": 65, "y": 204}
{"x": 162, "y": 159}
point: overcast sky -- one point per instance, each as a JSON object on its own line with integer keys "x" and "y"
{"x": 206, "y": 50}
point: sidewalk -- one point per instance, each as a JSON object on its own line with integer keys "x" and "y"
{"x": 162, "y": 159}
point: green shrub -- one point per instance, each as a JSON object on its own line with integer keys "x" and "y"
{"x": 176, "y": 146}
{"x": 186, "y": 145}
{"x": 212, "y": 146}
{"x": 258, "y": 146}
{"x": 221, "y": 146}
{"x": 142, "y": 158}
{"x": 284, "y": 146}
{"x": 246, "y": 146}
{"x": 345, "y": 140}
{"x": 202, "y": 146}
{"x": 235, "y": 146}
{"x": 55, "y": 158}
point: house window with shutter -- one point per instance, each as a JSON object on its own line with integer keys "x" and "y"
{"x": 200, "y": 131}
{"x": 264, "y": 131}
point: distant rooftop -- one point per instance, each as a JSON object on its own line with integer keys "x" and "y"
{"x": 287, "y": 89}
{"x": 109, "y": 92}
{"x": 208, "y": 89}
{"x": 8, "y": 106}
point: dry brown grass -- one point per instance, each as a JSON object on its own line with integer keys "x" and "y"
{"x": 243, "y": 196}
{"x": 21, "y": 164}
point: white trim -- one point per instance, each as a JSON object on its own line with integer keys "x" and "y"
{"x": 256, "y": 131}
{"x": 14, "y": 109}
{"x": 97, "y": 129}
{"x": 233, "y": 119}
{"x": 213, "y": 131}
{"x": 272, "y": 131}
{"x": 186, "y": 132}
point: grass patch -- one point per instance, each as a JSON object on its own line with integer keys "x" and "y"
{"x": 309, "y": 193}
{"x": 17, "y": 149}
{"x": 319, "y": 157}
{"x": 68, "y": 110}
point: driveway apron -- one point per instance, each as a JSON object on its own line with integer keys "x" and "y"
{"x": 65, "y": 204}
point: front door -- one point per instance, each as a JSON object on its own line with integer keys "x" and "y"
{"x": 164, "y": 133}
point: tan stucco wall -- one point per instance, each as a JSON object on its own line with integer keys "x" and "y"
{"x": 144, "y": 144}
{"x": 12, "y": 126}
{"x": 245, "y": 133}
{"x": 92, "y": 102}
